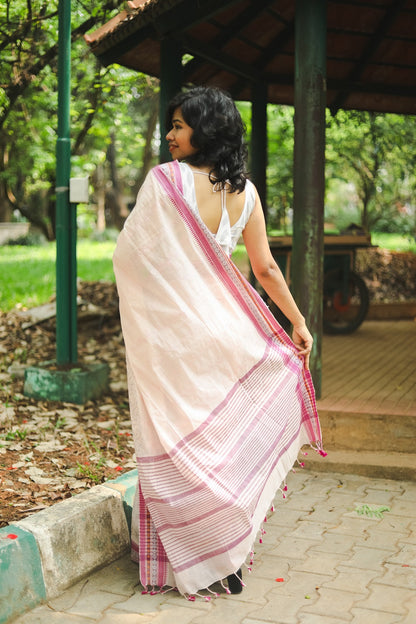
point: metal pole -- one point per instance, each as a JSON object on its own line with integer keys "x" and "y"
{"x": 309, "y": 169}
{"x": 66, "y": 333}
{"x": 170, "y": 85}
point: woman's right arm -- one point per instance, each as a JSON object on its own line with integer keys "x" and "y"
{"x": 269, "y": 275}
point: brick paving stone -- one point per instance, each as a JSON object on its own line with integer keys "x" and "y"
{"x": 169, "y": 614}
{"x": 330, "y": 511}
{"x": 350, "y": 484}
{"x": 367, "y": 558}
{"x": 119, "y": 617}
{"x": 333, "y": 602}
{"x": 410, "y": 492}
{"x": 320, "y": 563}
{"x": 318, "y": 618}
{"x": 411, "y": 537}
{"x": 410, "y": 606}
{"x": 335, "y": 543}
{"x": 92, "y": 602}
{"x": 302, "y": 499}
{"x": 365, "y": 616}
{"x": 381, "y": 539}
{"x": 356, "y": 581}
{"x": 271, "y": 567}
{"x": 44, "y": 615}
{"x": 280, "y": 609}
{"x": 222, "y": 611}
{"x": 389, "y": 600}
{"x": 142, "y": 604}
{"x": 406, "y": 555}
{"x": 394, "y": 523}
{"x": 378, "y": 497}
{"x": 389, "y": 485}
{"x": 355, "y": 525}
{"x": 293, "y": 548}
{"x": 310, "y": 530}
{"x": 398, "y": 576}
{"x": 404, "y": 508}
{"x": 285, "y": 517}
{"x": 123, "y": 574}
{"x": 255, "y": 592}
{"x": 301, "y": 584}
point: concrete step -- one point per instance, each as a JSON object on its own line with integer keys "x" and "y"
{"x": 356, "y": 431}
{"x": 374, "y": 464}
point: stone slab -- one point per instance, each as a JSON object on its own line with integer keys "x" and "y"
{"x": 78, "y": 535}
{"x": 21, "y": 580}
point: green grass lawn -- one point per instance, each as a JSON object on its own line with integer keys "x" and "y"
{"x": 394, "y": 242}
{"x": 27, "y": 274}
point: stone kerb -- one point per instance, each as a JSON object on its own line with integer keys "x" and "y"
{"x": 47, "y": 552}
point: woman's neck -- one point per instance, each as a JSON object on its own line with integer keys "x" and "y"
{"x": 203, "y": 168}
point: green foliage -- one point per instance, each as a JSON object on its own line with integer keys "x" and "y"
{"x": 107, "y": 105}
{"x": 370, "y": 171}
{"x": 280, "y": 166}
{"x": 28, "y": 273}
{"x": 366, "y": 510}
{"x": 394, "y": 242}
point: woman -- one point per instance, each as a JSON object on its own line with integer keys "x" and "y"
{"x": 221, "y": 399}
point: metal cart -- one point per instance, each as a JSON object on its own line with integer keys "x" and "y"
{"x": 346, "y": 296}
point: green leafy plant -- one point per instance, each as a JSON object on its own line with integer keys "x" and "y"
{"x": 15, "y": 435}
{"x": 366, "y": 510}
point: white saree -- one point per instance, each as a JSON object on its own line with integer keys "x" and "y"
{"x": 220, "y": 400}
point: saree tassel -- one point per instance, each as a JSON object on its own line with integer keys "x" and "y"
{"x": 227, "y": 591}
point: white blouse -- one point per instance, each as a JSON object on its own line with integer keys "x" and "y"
{"x": 227, "y": 236}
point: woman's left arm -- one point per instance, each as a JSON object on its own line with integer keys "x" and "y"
{"x": 269, "y": 275}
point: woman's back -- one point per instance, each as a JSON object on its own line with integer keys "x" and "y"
{"x": 225, "y": 214}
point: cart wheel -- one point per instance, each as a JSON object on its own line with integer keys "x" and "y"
{"x": 345, "y": 306}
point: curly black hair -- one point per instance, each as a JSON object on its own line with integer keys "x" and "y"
{"x": 218, "y": 133}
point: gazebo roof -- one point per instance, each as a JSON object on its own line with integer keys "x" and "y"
{"x": 371, "y": 47}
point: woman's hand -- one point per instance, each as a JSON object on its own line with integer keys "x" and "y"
{"x": 303, "y": 340}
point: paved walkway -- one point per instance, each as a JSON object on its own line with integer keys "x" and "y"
{"x": 321, "y": 562}
{"x": 371, "y": 371}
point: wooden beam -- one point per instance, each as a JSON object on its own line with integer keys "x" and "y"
{"x": 146, "y": 23}
{"x": 232, "y": 30}
{"x": 219, "y": 58}
{"x": 187, "y": 14}
{"x": 369, "y": 50}
{"x": 268, "y": 53}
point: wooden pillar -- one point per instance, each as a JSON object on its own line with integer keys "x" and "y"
{"x": 170, "y": 84}
{"x": 258, "y": 164}
{"x": 309, "y": 170}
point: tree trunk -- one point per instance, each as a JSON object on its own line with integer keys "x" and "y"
{"x": 148, "y": 154}
{"x": 116, "y": 210}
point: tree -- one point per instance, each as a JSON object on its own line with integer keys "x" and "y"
{"x": 28, "y": 105}
{"x": 374, "y": 154}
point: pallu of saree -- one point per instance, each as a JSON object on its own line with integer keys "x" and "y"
{"x": 220, "y": 400}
